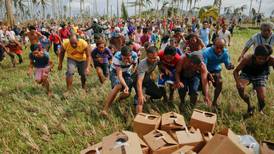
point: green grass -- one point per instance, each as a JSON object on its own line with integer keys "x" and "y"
{"x": 30, "y": 122}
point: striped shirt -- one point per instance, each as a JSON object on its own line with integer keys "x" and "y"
{"x": 118, "y": 62}
{"x": 258, "y": 39}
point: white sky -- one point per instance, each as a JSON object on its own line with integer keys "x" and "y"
{"x": 267, "y": 5}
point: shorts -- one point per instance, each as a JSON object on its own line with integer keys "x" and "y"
{"x": 166, "y": 79}
{"x": 104, "y": 67}
{"x": 115, "y": 81}
{"x": 257, "y": 81}
{"x": 191, "y": 85}
{"x": 2, "y": 55}
{"x": 55, "y": 48}
{"x": 41, "y": 73}
{"x": 72, "y": 64}
{"x": 217, "y": 77}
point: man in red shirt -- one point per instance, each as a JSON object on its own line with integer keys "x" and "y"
{"x": 15, "y": 48}
{"x": 168, "y": 61}
{"x": 56, "y": 40}
{"x": 145, "y": 37}
{"x": 64, "y": 33}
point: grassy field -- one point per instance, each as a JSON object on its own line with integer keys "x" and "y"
{"x": 31, "y": 122}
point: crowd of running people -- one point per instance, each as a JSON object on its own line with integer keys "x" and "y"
{"x": 146, "y": 55}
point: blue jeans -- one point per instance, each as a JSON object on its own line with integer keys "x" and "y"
{"x": 191, "y": 85}
{"x": 115, "y": 81}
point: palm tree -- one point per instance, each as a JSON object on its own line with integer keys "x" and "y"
{"x": 260, "y": 4}
{"x": 124, "y": 11}
{"x": 9, "y": 11}
{"x": 44, "y": 4}
{"x": 65, "y": 11}
{"x": 70, "y": 7}
{"x": 238, "y": 11}
{"x": 107, "y": 8}
{"x": 81, "y": 7}
{"x": 53, "y": 11}
{"x": 218, "y": 4}
{"x": 140, "y": 4}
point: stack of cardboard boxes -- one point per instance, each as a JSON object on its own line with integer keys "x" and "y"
{"x": 169, "y": 134}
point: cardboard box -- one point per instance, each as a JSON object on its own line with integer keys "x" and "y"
{"x": 185, "y": 150}
{"x": 172, "y": 120}
{"x": 266, "y": 147}
{"x": 191, "y": 137}
{"x": 145, "y": 148}
{"x": 203, "y": 120}
{"x": 144, "y": 123}
{"x": 124, "y": 142}
{"x": 97, "y": 148}
{"x": 160, "y": 142}
{"x": 226, "y": 142}
{"x": 207, "y": 137}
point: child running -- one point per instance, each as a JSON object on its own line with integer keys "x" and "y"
{"x": 40, "y": 61}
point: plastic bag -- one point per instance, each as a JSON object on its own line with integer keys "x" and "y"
{"x": 250, "y": 142}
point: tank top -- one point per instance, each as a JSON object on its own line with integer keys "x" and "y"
{"x": 256, "y": 69}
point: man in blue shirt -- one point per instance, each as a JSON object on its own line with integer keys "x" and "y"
{"x": 205, "y": 33}
{"x": 213, "y": 58}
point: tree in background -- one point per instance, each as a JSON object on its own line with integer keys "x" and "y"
{"x": 124, "y": 11}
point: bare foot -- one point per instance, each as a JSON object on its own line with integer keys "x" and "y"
{"x": 49, "y": 93}
{"x": 104, "y": 114}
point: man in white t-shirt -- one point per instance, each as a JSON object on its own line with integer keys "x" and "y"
{"x": 225, "y": 34}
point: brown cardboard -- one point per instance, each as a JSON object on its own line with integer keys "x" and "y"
{"x": 203, "y": 120}
{"x": 144, "y": 123}
{"x": 172, "y": 120}
{"x": 185, "y": 150}
{"x": 93, "y": 149}
{"x": 124, "y": 142}
{"x": 145, "y": 148}
{"x": 160, "y": 142}
{"x": 225, "y": 143}
{"x": 207, "y": 137}
{"x": 191, "y": 137}
{"x": 266, "y": 147}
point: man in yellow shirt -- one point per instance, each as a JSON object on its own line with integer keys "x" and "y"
{"x": 78, "y": 56}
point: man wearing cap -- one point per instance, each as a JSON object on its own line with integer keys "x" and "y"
{"x": 190, "y": 71}
{"x": 213, "y": 58}
{"x": 77, "y": 57}
{"x": 117, "y": 40}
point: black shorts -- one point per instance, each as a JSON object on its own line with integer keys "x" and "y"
{"x": 104, "y": 67}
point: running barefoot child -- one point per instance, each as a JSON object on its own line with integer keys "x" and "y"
{"x": 40, "y": 61}
{"x": 15, "y": 49}
{"x": 101, "y": 57}
{"x": 254, "y": 69}
{"x": 124, "y": 64}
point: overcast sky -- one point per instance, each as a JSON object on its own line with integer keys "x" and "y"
{"x": 267, "y": 5}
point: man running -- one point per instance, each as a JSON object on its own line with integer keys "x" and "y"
{"x": 77, "y": 57}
